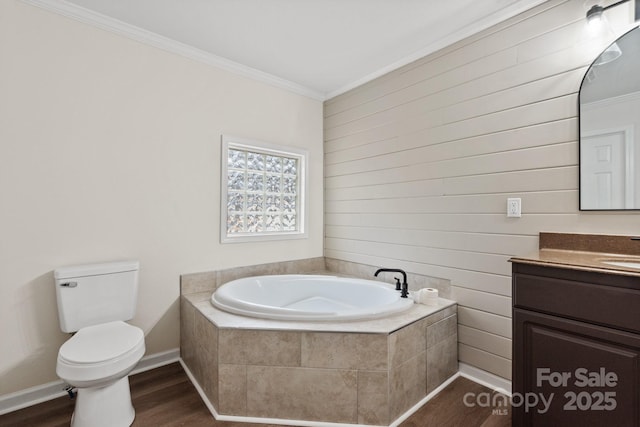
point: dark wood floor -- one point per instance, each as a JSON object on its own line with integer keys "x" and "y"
{"x": 165, "y": 397}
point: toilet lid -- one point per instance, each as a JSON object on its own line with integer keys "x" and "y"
{"x": 102, "y": 342}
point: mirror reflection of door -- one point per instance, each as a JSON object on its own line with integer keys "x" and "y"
{"x": 610, "y": 128}
{"x": 604, "y": 169}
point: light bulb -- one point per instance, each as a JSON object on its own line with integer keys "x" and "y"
{"x": 594, "y": 16}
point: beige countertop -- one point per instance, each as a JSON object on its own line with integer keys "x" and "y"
{"x": 589, "y": 252}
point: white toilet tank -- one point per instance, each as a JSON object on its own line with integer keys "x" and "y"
{"x": 96, "y": 293}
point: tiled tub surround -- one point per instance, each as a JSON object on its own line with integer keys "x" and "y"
{"x": 362, "y": 372}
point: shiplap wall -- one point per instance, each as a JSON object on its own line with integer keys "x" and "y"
{"x": 419, "y": 164}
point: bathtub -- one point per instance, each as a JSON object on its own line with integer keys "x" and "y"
{"x": 309, "y": 297}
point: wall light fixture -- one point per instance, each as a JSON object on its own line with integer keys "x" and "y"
{"x": 595, "y": 13}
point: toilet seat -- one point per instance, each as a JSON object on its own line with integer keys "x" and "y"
{"x": 100, "y": 353}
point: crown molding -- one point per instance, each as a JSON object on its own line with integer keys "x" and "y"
{"x": 113, "y": 25}
{"x": 116, "y": 26}
{"x": 608, "y": 102}
{"x": 476, "y": 27}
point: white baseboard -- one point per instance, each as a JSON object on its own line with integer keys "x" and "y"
{"x": 49, "y": 391}
{"x": 157, "y": 360}
{"x": 485, "y": 378}
{"x": 424, "y": 400}
{"x": 31, "y": 396}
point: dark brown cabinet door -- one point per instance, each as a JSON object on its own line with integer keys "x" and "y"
{"x": 572, "y": 373}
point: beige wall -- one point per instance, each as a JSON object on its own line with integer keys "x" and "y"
{"x": 419, "y": 164}
{"x": 110, "y": 149}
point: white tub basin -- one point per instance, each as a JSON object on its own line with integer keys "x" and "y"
{"x": 309, "y": 297}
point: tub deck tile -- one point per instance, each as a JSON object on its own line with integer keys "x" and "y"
{"x": 407, "y": 384}
{"x": 344, "y": 350}
{"x": 233, "y": 390}
{"x": 250, "y": 347}
{"x": 386, "y": 325}
{"x": 373, "y": 397}
{"x": 302, "y": 393}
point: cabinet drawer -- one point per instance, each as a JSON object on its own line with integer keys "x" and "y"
{"x": 598, "y": 304}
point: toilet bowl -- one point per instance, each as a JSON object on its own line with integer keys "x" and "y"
{"x": 97, "y": 360}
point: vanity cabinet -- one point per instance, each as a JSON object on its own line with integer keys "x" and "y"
{"x": 576, "y": 347}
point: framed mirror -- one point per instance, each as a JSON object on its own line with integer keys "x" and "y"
{"x": 609, "y": 103}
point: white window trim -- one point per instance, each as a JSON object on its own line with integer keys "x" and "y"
{"x": 229, "y": 141}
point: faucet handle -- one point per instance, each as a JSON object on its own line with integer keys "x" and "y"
{"x": 397, "y": 283}
{"x": 405, "y": 292}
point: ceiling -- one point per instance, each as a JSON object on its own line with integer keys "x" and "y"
{"x": 317, "y": 47}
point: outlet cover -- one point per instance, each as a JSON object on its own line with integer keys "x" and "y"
{"x": 514, "y": 207}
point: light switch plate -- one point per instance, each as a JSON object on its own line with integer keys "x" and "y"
{"x": 514, "y": 207}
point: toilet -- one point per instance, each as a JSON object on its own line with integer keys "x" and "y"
{"x": 94, "y": 301}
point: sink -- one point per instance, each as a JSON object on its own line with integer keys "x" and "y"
{"x": 623, "y": 263}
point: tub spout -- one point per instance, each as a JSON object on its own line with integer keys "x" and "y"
{"x": 405, "y": 286}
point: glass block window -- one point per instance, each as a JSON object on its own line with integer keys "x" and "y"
{"x": 262, "y": 191}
